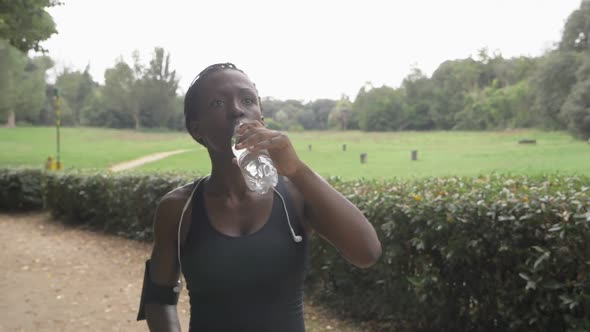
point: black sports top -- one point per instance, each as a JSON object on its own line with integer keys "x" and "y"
{"x": 247, "y": 283}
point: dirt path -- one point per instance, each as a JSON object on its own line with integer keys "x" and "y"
{"x": 60, "y": 278}
{"x": 144, "y": 160}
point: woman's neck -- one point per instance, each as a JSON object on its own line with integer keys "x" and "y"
{"x": 226, "y": 178}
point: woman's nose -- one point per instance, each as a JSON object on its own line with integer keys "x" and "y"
{"x": 237, "y": 110}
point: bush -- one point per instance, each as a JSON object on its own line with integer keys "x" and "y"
{"x": 123, "y": 203}
{"x": 484, "y": 254}
{"x": 21, "y": 189}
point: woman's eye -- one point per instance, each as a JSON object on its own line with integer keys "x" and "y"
{"x": 248, "y": 101}
{"x": 217, "y": 103}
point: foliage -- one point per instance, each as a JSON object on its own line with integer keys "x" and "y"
{"x": 576, "y": 110}
{"x": 497, "y": 108}
{"x": 26, "y": 23}
{"x": 21, "y": 189}
{"x": 95, "y": 199}
{"x": 481, "y": 92}
{"x": 576, "y": 32}
{"x": 380, "y": 109}
{"x": 552, "y": 84}
{"x": 157, "y": 91}
{"x": 22, "y": 84}
{"x": 419, "y": 97}
{"x": 341, "y": 114}
{"x": 493, "y": 253}
{"x": 77, "y": 90}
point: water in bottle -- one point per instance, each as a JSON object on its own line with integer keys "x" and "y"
{"x": 257, "y": 168}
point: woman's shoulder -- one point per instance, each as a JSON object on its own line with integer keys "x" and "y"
{"x": 178, "y": 195}
{"x": 170, "y": 207}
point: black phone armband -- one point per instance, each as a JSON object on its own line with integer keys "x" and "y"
{"x": 154, "y": 293}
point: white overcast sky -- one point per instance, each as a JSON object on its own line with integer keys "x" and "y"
{"x": 303, "y": 49}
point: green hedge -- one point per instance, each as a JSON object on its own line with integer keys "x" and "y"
{"x": 21, "y": 189}
{"x": 121, "y": 203}
{"x": 486, "y": 254}
{"x": 493, "y": 253}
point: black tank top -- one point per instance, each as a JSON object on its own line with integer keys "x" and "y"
{"x": 248, "y": 283}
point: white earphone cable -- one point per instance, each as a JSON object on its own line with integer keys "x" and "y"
{"x": 296, "y": 238}
{"x": 186, "y": 205}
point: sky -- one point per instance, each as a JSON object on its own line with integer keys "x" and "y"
{"x": 304, "y": 49}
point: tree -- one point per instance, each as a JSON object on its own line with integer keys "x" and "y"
{"x": 552, "y": 84}
{"x": 118, "y": 95}
{"x": 47, "y": 114}
{"x": 576, "y": 32}
{"x": 306, "y": 118}
{"x": 341, "y": 114}
{"x": 76, "y": 88}
{"x": 321, "y": 109}
{"x": 496, "y": 108}
{"x": 287, "y": 116}
{"x": 514, "y": 70}
{"x": 176, "y": 120}
{"x": 380, "y": 109}
{"x": 26, "y": 23}
{"x": 451, "y": 82}
{"x": 30, "y": 90}
{"x": 419, "y": 100}
{"x": 156, "y": 91}
{"x": 583, "y": 72}
{"x": 22, "y": 85}
{"x": 270, "y": 107}
{"x": 11, "y": 63}
{"x": 576, "y": 110}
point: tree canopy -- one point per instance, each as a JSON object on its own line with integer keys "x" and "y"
{"x": 482, "y": 92}
{"x": 26, "y": 23}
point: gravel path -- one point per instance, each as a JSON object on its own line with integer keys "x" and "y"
{"x": 60, "y": 278}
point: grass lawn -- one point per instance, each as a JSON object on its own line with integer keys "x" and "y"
{"x": 439, "y": 154}
{"x": 388, "y": 154}
{"x": 84, "y": 147}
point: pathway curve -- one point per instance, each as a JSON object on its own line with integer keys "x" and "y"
{"x": 144, "y": 160}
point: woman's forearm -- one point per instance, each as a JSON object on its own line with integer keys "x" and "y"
{"x": 162, "y": 318}
{"x": 336, "y": 219}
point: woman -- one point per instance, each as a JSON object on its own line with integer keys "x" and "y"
{"x": 243, "y": 254}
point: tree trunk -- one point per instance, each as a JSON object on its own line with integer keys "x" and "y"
{"x": 11, "y": 123}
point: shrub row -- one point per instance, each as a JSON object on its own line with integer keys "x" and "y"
{"x": 122, "y": 203}
{"x": 21, "y": 189}
{"x": 493, "y": 253}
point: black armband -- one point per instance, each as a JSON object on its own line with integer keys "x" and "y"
{"x": 154, "y": 293}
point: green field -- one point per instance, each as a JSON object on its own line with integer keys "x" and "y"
{"x": 388, "y": 154}
{"x": 83, "y": 147}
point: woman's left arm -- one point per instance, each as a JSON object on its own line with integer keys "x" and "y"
{"x": 328, "y": 212}
{"x": 336, "y": 219}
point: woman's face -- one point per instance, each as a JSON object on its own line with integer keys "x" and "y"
{"x": 225, "y": 97}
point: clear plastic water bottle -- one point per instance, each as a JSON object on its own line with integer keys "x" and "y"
{"x": 257, "y": 168}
